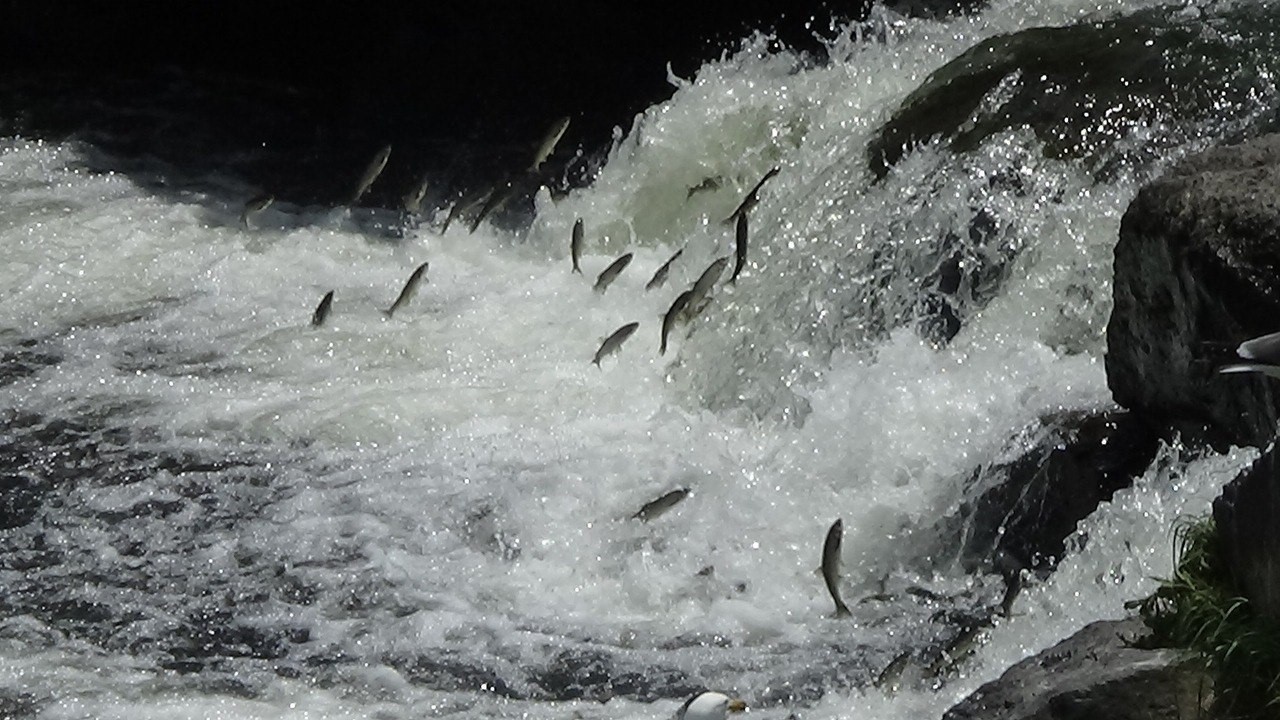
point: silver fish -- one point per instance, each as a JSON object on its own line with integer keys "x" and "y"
{"x": 371, "y": 173}
{"x": 831, "y": 565}
{"x": 706, "y": 281}
{"x": 464, "y": 205}
{"x": 1265, "y": 348}
{"x": 711, "y": 183}
{"x": 660, "y": 278}
{"x": 888, "y": 678}
{"x": 410, "y": 289}
{"x": 752, "y": 197}
{"x": 575, "y": 245}
{"x": 673, "y": 315}
{"x": 322, "y": 310}
{"x": 612, "y": 343}
{"x": 548, "y": 144}
{"x": 740, "y": 246}
{"x": 611, "y": 273}
{"x": 253, "y": 207}
{"x": 1264, "y": 351}
{"x": 654, "y": 509}
{"x": 956, "y": 651}
{"x": 1265, "y": 369}
{"x": 495, "y": 200}
{"x": 413, "y": 198}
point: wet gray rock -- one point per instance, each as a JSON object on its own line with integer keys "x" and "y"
{"x": 1245, "y": 515}
{"x": 1057, "y": 81}
{"x": 1197, "y": 270}
{"x": 1020, "y": 511}
{"x": 1095, "y": 673}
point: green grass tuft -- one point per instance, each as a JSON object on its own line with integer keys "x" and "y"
{"x": 1198, "y": 609}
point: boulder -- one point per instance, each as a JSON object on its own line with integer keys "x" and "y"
{"x": 1020, "y": 511}
{"x": 1057, "y": 81}
{"x": 1196, "y": 272}
{"x": 1095, "y": 673}
{"x": 1245, "y": 515}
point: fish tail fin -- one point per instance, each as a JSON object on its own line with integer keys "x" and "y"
{"x": 1265, "y": 369}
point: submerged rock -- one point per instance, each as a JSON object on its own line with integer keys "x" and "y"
{"x": 1196, "y": 272}
{"x": 1022, "y": 510}
{"x": 1083, "y": 89}
{"x": 1245, "y": 515}
{"x": 1094, "y": 673}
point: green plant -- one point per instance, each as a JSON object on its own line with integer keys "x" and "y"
{"x": 1199, "y": 609}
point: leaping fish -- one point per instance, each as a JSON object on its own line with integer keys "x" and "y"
{"x": 410, "y": 289}
{"x": 548, "y": 144}
{"x": 673, "y": 314}
{"x": 499, "y": 197}
{"x": 612, "y": 343}
{"x": 710, "y": 183}
{"x": 702, "y": 287}
{"x": 740, "y": 248}
{"x": 654, "y": 509}
{"x": 253, "y": 207}
{"x": 752, "y": 197}
{"x": 1263, "y": 351}
{"x": 575, "y": 245}
{"x": 610, "y": 273}
{"x": 322, "y": 310}
{"x": 413, "y": 199}
{"x": 831, "y": 565}
{"x": 464, "y": 205}
{"x": 371, "y": 173}
{"x": 660, "y": 278}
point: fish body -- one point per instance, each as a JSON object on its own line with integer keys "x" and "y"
{"x": 575, "y": 245}
{"x": 831, "y": 565}
{"x": 1268, "y": 370}
{"x": 495, "y": 200}
{"x": 1264, "y": 349}
{"x": 548, "y": 144}
{"x": 752, "y": 197}
{"x": 660, "y": 277}
{"x": 956, "y": 651}
{"x": 322, "y": 310}
{"x": 413, "y": 198}
{"x": 672, "y": 317}
{"x": 710, "y": 183}
{"x": 654, "y": 509}
{"x": 612, "y": 343}
{"x": 888, "y": 678}
{"x": 464, "y": 205}
{"x": 371, "y": 173}
{"x": 740, "y": 248}
{"x": 410, "y": 289}
{"x": 707, "y": 280}
{"x": 611, "y": 273}
{"x": 253, "y": 207}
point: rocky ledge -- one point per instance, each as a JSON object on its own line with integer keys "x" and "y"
{"x": 1196, "y": 270}
{"x": 1095, "y": 673}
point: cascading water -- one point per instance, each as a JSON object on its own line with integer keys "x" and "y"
{"x": 214, "y": 509}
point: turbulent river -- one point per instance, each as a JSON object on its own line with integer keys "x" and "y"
{"x": 213, "y": 509}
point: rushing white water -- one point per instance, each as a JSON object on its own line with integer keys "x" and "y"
{"x": 433, "y": 511}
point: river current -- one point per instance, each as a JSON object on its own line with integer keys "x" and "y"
{"x": 214, "y": 509}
